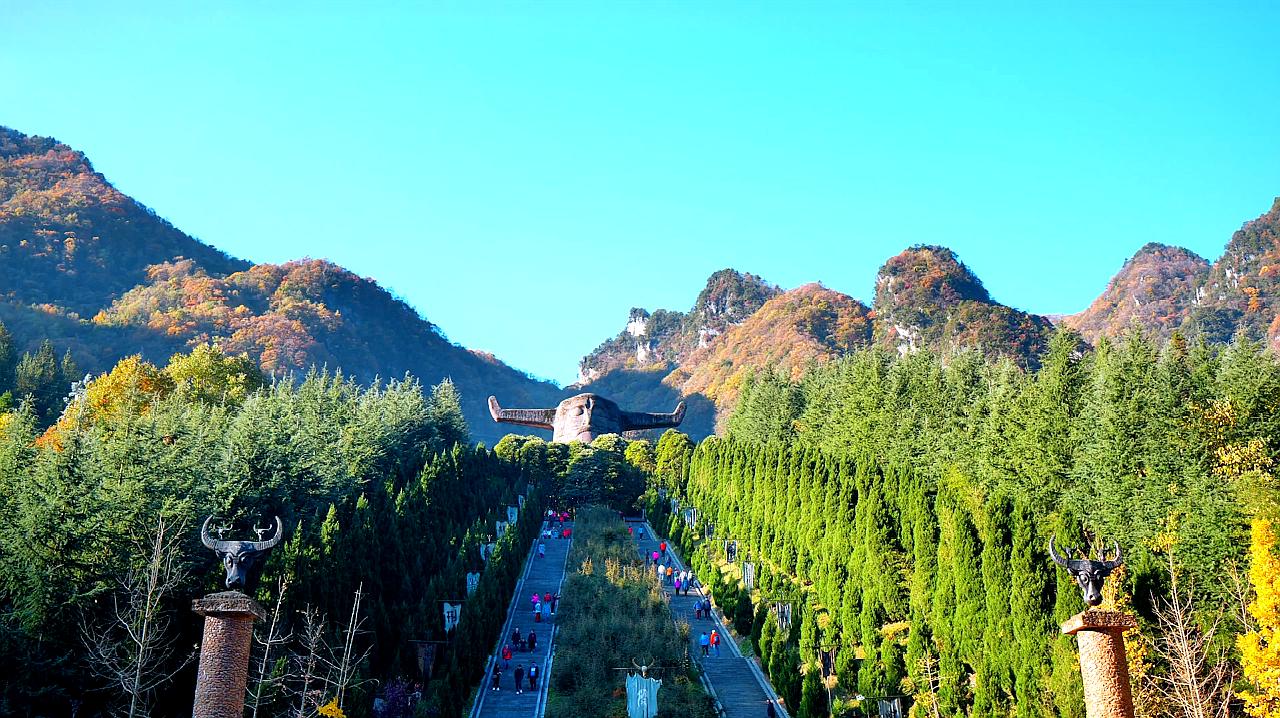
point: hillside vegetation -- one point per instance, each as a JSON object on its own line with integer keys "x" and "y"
{"x": 904, "y": 505}
{"x": 94, "y": 271}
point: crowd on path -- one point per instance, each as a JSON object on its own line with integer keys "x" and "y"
{"x": 541, "y": 604}
{"x": 710, "y": 637}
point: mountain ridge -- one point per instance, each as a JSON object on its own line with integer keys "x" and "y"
{"x": 96, "y": 269}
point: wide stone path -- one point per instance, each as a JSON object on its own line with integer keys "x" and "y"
{"x": 542, "y": 576}
{"x": 736, "y": 681}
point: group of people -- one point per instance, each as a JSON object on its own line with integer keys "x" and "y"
{"x": 702, "y": 609}
{"x": 519, "y": 676}
{"x": 550, "y": 599}
{"x": 520, "y": 643}
{"x": 710, "y": 643}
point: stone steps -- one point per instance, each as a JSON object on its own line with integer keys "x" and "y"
{"x": 543, "y": 575}
{"x": 740, "y": 691}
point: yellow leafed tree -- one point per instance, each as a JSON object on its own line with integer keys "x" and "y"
{"x": 1260, "y": 647}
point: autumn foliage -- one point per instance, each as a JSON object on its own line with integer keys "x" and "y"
{"x": 1260, "y": 647}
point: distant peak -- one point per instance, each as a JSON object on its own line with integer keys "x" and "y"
{"x": 1158, "y": 249}
{"x": 929, "y": 274}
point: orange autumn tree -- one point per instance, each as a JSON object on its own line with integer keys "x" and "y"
{"x": 1260, "y": 647}
{"x": 132, "y": 386}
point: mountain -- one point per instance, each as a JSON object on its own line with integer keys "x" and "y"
{"x": 1242, "y": 291}
{"x": 738, "y": 323}
{"x": 96, "y": 271}
{"x": 1162, "y": 289}
{"x": 809, "y": 324}
{"x": 70, "y": 239}
{"x": 1154, "y": 290}
{"x": 927, "y": 298}
{"x": 663, "y": 338}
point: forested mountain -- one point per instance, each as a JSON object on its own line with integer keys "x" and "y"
{"x": 1242, "y": 292}
{"x": 925, "y": 298}
{"x": 310, "y": 312}
{"x": 1162, "y": 289}
{"x": 96, "y": 272}
{"x": 663, "y": 338}
{"x": 738, "y": 325}
{"x": 71, "y": 240}
{"x": 1154, "y": 290}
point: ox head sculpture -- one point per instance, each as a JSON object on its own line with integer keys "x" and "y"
{"x": 242, "y": 559}
{"x": 584, "y": 417}
{"x": 1089, "y": 573}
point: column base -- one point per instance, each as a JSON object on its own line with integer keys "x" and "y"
{"x": 1103, "y": 664}
{"x": 224, "y": 653}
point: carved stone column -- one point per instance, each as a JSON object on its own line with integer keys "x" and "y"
{"x": 1103, "y": 666}
{"x": 224, "y": 653}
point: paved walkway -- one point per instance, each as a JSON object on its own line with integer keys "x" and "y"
{"x": 542, "y": 575}
{"x": 736, "y": 682}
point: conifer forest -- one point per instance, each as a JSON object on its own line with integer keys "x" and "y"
{"x": 896, "y": 509}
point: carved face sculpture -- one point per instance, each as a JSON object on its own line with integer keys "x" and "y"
{"x": 584, "y": 417}
{"x": 1090, "y": 575}
{"x": 242, "y": 560}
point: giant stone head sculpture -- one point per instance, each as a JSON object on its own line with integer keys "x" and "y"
{"x": 242, "y": 559}
{"x": 584, "y": 417}
{"x": 1089, "y": 574}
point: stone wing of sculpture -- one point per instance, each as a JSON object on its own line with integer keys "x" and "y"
{"x": 536, "y": 418}
{"x": 637, "y": 420}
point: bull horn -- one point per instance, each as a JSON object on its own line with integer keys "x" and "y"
{"x": 1054, "y": 554}
{"x": 536, "y": 418}
{"x": 271, "y": 542}
{"x": 635, "y": 420}
{"x": 1119, "y": 559}
{"x": 209, "y": 541}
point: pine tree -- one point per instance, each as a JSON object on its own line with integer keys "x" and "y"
{"x": 37, "y": 378}
{"x": 8, "y": 359}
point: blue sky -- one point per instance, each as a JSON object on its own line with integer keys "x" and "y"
{"x": 525, "y": 173}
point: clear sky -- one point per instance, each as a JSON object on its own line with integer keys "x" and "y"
{"x": 525, "y": 173}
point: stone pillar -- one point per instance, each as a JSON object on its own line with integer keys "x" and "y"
{"x": 224, "y": 653}
{"x": 1103, "y": 665}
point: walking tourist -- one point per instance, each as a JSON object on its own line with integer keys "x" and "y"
{"x": 537, "y": 612}
{"x": 533, "y": 641}
{"x": 515, "y": 636}
{"x": 533, "y": 676}
{"x": 519, "y": 676}
{"x": 542, "y": 550}
{"x": 677, "y": 585}
{"x": 497, "y": 676}
{"x": 555, "y": 598}
{"x": 506, "y": 656}
{"x": 715, "y": 642}
{"x": 703, "y": 641}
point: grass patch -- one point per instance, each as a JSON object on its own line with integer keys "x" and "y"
{"x": 613, "y": 612}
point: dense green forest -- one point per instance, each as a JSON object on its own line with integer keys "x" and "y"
{"x": 903, "y": 505}
{"x": 382, "y": 497}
